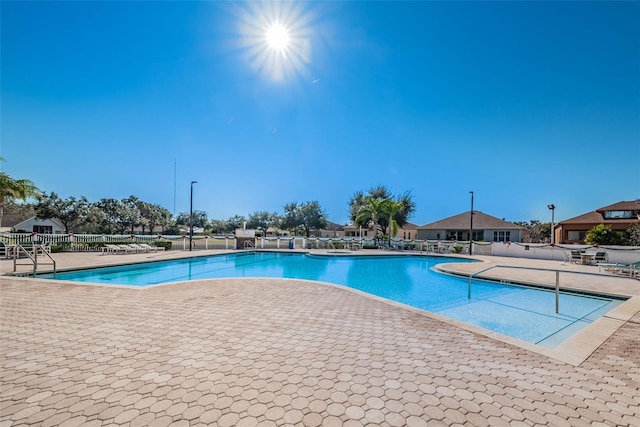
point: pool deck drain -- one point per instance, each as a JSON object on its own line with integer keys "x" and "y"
{"x": 233, "y": 352}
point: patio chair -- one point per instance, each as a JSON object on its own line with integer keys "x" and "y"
{"x": 601, "y": 258}
{"x": 576, "y": 257}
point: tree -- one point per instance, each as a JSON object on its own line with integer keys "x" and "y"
{"x": 94, "y": 221}
{"x": 156, "y": 216}
{"x": 15, "y": 189}
{"x": 71, "y": 212}
{"x": 312, "y": 217}
{"x": 536, "y": 231}
{"x": 199, "y": 219}
{"x": 359, "y": 200}
{"x": 13, "y": 208}
{"x": 236, "y": 221}
{"x": 307, "y": 216}
{"x": 114, "y": 215}
{"x": 634, "y": 234}
{"x": 392, "y": 208}
{"x": 602, "y": 234}
{"x": 262, "y": 221}
{"x": 369, "y": 214}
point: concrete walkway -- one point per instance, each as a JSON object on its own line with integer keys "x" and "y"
{"x": 278, "y": 352}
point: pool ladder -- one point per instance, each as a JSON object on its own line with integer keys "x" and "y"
{"x": 34, "y": 259}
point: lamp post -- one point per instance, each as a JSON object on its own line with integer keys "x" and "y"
{"x": 191, "y": 215}
{"x": 553, "y": 234}
{"x": 471, "y": 227}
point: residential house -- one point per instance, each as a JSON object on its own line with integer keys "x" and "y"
{"x": 620, "y": 216}
{"x": 29, "y": 223}
{"x": 485, "y": 228}
{"x": 407, "y": 232}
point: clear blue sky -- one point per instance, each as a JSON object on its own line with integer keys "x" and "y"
{"x": 525, "y": 103}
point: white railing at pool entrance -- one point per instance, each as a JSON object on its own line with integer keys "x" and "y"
{"x": 548, "y": 278}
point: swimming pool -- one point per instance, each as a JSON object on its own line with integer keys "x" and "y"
{"x": 520, "y": 312}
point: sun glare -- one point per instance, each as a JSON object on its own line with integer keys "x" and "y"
{"x": 278, "y": 37}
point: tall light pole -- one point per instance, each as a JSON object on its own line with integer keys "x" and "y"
{"x": 191, "y": 215}
{"x": 553, "y": 234}
{"x": 471, "y": 227}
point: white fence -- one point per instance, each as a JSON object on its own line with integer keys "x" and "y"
{"x": 89, "y": 242}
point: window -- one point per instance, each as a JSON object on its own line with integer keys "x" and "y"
{"x": 576, "y": 236}
{"x": 501, "y": 236}
{"x": 43, "y": 229}
{"x": 619, "y": 215}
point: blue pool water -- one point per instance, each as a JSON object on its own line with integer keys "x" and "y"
{"x": 520, "y": 312}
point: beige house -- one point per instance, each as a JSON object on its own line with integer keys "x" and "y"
{"x": 620, "y": 216}
{"x": 486, "y": 228}
{"x": 407, "y": 232}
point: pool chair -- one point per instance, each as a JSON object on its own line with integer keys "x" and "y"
{"x": 151, "y": 248}
{"x": 126, "y": 249}
{"x": 631, "y": 270}
{"x": 138, "y": 248}
{"x": 111, "y": 249}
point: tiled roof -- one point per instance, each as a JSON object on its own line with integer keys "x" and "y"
{"x": 11, "y": 220}
{"x": 462, "y": 222}
{"x": 597, "y": 216}
{"x": 633, "y": 205}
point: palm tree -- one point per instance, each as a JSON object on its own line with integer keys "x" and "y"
{"x": 15, "y": 189}
{"x": 370, "y": 213}
{"x": 392, "y": 208}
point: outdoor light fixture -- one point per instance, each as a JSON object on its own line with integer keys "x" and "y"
{"x": 191, "y": 215}
{"x": 553, "y": 234}
{"x": 471, "y": 227}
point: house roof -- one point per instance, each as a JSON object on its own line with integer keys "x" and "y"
{"x": 622, "y": 206}
{"x": 9, "y": 221}
{"x": 597, "y": 216}
{"x": 462, "y": 222}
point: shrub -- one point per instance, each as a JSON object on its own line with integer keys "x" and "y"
{"x": 166, "y": 244}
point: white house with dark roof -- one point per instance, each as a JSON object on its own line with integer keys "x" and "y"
{"x": 486, "y": 228}
{"x": 30, "y": 224}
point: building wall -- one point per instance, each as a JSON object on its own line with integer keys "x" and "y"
{"x": 487, "y": 235}
{"x": 574, "y": 233}
{"x": 33, "y": 223}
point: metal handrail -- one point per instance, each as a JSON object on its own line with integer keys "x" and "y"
{"x": 34, "y": 259}
{"x": 557, "y": 283}
{"x": 249, "y": 244}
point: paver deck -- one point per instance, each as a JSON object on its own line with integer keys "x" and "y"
{"x": 277, "y": 352}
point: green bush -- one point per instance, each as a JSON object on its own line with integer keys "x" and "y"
{"x": 166, "y": 244}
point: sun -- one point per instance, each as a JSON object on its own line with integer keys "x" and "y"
{"x": 278, "y": 37}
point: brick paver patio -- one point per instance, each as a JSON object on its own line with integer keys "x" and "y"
{"x": 278, "y": 352}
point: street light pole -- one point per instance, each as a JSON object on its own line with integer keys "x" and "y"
{"x": 191, "y": 215}
{"x": 471, "y": 227}
{"x": 553, "y": 234}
